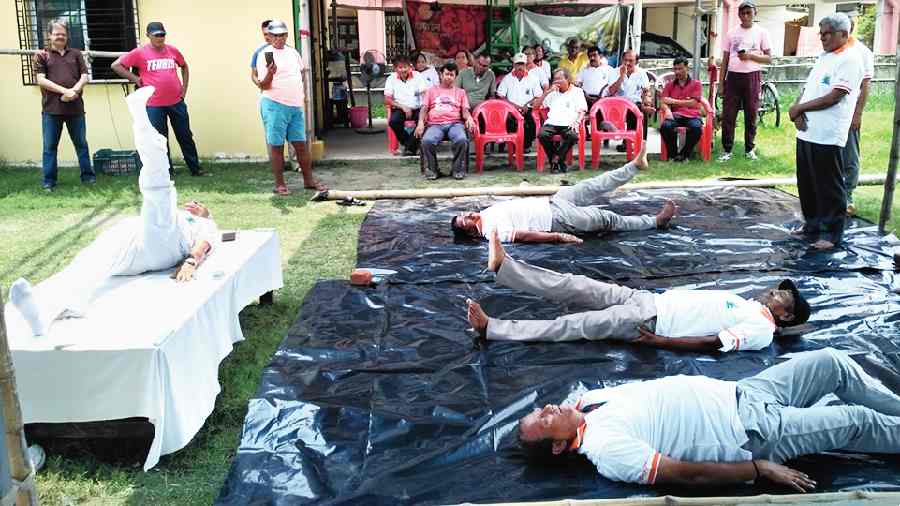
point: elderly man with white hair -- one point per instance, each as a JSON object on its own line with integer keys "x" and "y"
{"x": 823, "y": 115}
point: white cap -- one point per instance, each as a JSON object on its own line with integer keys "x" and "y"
{"x": 520, "y": 58}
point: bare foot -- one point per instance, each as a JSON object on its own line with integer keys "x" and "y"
{"x": 496, "y": 253}
{"x": 640, "y": 160}
{"x": 822, "y": 244}
{"x": 314, "y": 185}
{"x": 666, "y": 214}
{"x": 478, "y": 319}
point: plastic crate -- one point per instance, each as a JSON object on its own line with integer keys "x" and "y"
{"x": 117, "y": 162}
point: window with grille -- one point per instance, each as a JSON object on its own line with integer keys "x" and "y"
{"x": 395, "y": 33}
{"x": 98, "y": 25}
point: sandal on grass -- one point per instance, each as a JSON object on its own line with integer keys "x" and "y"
{"x": 319, "y": 187}
{"x": 281, "y": 190}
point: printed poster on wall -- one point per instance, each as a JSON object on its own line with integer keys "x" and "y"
{"x": 447, "y": 28}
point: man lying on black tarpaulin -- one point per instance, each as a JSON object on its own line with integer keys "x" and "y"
{"x": 571, "y": 210}
{"x": 697, "y": 320}
{"x": 694, "y": 430}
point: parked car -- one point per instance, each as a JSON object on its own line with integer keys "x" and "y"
{"x": 655, "y": 46}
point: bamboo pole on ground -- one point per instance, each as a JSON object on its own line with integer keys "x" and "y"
{"x": 19, "y": 462}
{"x": 527, "y": 191}
{"x": 825, "y": 499}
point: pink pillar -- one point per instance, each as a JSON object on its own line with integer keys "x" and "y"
{"x": 887, "y": 40}
{"x": 730, "y": 19}
{"x": 371, "y": 30}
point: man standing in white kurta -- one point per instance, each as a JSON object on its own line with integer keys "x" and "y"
{"x": 162, "y": 237}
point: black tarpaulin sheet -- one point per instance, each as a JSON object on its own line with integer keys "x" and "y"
{"x": 718, "y": 229}
{"x": 380, "y": 395}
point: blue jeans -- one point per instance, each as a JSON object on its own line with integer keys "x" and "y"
{"x": 670, "y": 135}
{"x": 434, "y": 135}
{"x": 177, "y": 114}
{"x": 51, "y": 125}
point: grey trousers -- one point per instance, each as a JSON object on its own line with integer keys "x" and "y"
{"x": 574, "y": 208}
{"x": 618, "y": 310}
{"x": 784, "y": 419}
{"x": 851, "y": 163}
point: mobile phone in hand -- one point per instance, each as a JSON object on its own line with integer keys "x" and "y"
{"x": 270, "y": 57}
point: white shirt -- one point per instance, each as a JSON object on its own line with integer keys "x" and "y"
{"x": 287, "y": 83}
{"x": 508, "y": 216}
{"x": 632, "y": 86}
{"x": 519, "y": 91}
{"x": 841, "y": 69}
{"x": 545, "y": 68}
{"x": 406, "y": 93}
{"x": 564, "y": 107}
{"x": 538, "y": 73}
{"x": 688, "y": 418}
{"x": 741, "y": 324}
{"x": 430, "y": 76}
{"x": 868, "y": 58}
{"x": 593, "y": 79}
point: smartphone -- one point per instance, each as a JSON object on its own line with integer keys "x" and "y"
{"x": 742, "y": 51}
{"x": 228, "y": 236}
{"x": 270, "y": 57}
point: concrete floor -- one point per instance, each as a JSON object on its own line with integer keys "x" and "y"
{"x": 345, "y": 144}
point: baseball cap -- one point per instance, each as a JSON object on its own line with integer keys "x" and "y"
{"x": 801, "y": 307}
{"x": 277, "y": 27}
{"x": 571, "y": 40}
{"x": 520, "y": 58}
{"x": 747, "y": 3}
{"x": 155, "y": 28}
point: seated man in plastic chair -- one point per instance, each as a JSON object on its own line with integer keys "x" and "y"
{"x": 162, "y": 237}
{"x": 681, "y": 108}
{"x": 445, "y": 111}
{"x": 701, "y": 431}
{"x": 403, "y": 90}
{"x": 566, "y": 109}
{"x": 690, "y": 320}
{"x": 571, "y": 210}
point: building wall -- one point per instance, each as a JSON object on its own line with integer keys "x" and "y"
{"x": 216, "y": 38}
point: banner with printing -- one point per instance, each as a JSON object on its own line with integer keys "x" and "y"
{"x": 444, "y": 29}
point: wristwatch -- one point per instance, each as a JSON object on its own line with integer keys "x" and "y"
{"x": 191, "y": 261}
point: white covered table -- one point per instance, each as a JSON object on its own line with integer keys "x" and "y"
{"x": 148, "y": 347}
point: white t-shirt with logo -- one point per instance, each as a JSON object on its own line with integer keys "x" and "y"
{"x": 406, "y": 93}
{"x": 564, "y": 107}
{"x": 519, "y": 91}
{"x": 538, "y": 73}
{"x": 509, "y": 216}
{"x": 841, "y": 69}
{"x": 688, "y": 418}
{"x": 741, "y": 324}
{"x": 632, "y": 86}
{"x": 593, "y": 79}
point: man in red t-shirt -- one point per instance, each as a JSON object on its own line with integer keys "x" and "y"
{"x": 681, "y": 108}
{"x": 445, "y": 108}
{"x": 157, "y": 64}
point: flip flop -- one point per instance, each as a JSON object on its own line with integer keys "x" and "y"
{"x": 319, "y": 187}
{"x": 281, "y": 190}
{"x": 350, "y": 201}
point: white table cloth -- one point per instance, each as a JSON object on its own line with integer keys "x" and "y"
{"x": 148, "y": 347}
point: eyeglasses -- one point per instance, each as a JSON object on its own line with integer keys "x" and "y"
{"x": 278, "y": 34}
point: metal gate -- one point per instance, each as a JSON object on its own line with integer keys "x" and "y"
{"x": 395, "y": 34}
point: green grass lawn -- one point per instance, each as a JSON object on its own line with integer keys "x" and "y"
{"x": 41, "y": 232}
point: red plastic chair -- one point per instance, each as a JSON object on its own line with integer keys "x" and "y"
{"x": 393, "y": 143}
{"x": 540, "y": 115}
{"x": 493, "y": 114}
{"x": 615, "y": 110}
{"x": 707, "y": 134}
